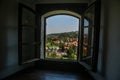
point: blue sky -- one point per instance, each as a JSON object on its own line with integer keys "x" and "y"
{"x": 62, "y": 23}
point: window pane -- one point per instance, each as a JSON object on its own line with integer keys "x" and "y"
{"x": 86, "y": 23}
{"x": 88, "y": 36}
{"x": 61, "y": 37}
{"x": 85, "y": 51}
{"x": 28, "y": 35}
{"x": 85, "y": 37}
{"x": 27, "y": 52}
{"x": 28, "y": 17}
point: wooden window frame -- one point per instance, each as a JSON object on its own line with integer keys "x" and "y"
{"x": 36, "y": 43}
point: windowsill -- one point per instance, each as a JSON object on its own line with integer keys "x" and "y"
{"x": 96, "y": 76}
{"x": 85, "y": 65}
{"x": 59, "y": 60}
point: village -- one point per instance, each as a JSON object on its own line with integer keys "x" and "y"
{"x": 62, "y": 46}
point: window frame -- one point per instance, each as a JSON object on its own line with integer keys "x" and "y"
{"x": 79, "y": 8}
{"x": 96, "y": 34}
{"x": 42, "y": 9}
{"x": 35, "y": 44}
{"x": 43, "y": 25}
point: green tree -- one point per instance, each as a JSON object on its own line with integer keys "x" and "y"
{"x": 70, "y": 51}
{"x": 61, "y": 45}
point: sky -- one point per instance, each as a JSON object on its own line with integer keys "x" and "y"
{"x": 62, "y": 23}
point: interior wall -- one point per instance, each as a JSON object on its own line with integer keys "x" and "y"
{"x": 113, "y": 47}
{"x": 9, "y": 38}
{"x": 109, "y": 53}
{"x": 103, "y": 38}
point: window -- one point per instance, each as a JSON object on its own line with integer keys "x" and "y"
{"x": 61, "y": 33}
{"x": 85, "y": 38}
{"x": 88, "y": 33}
{"x": 27, "y": 41}
{"x": 87, "y": 45}
{"x": 90, "y": 36}
{"x": 61, "y": 37}
{"x": 35, "y": 41}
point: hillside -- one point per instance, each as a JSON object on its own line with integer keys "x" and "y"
{"x": 73, "y": 34}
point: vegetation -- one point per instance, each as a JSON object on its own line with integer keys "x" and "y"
{"x": 62, "y": 45}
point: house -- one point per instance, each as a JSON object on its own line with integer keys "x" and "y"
{"x": 108, "y": 67}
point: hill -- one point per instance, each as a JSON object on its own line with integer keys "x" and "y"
{"x": 73, "y": 34}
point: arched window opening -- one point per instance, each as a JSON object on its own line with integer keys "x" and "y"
{"x": 61, "y": 37}
{"x": 59, "y": 32}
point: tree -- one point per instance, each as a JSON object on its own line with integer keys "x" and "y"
{"x": 61, "y": 45}
{"x": 70, "y": 51}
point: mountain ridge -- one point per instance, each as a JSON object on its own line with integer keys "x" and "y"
{"x": 64, "y": 34}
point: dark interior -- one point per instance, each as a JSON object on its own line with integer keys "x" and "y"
{"x": 21, "y": 59}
